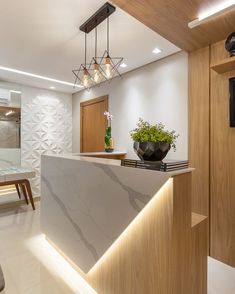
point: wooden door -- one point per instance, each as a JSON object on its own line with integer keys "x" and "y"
{"x": 93, "y": 124}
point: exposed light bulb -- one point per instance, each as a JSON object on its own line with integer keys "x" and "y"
{"x": 85, "y": 81}
{"x": 108, "y": 70}
{"x": 85, "y": 78}
{"x": 97, "y": 76}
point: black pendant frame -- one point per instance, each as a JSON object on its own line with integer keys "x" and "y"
{"x": 97, "y": 18}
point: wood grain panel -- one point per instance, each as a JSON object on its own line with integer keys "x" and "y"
{"x": 199, "y": 128}
{"x": 140, "y": 262}
{"x": 197, "y": 219}
{"x": 198, "y": 266}
{"x": 181, "y": 243}
{"x": 170, "y": 19}
{"x": 225, "y": 65}
{"x": 222, "y": 216}
{"x": 153, "y": 255}
{"x": 93, "y": 124}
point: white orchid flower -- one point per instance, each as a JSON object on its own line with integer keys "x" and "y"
{"x": 108, "y": 115}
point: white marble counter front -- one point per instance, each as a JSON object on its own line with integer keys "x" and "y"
{"x": 88, "y": 202}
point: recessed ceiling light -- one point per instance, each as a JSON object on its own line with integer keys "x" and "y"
{"x": 14, "y": 91}
{"x": 52, "y": 88}
{"x": 123, "y": 65}
{"x": 157, "y": 51}
{"x": 36, "y": 76}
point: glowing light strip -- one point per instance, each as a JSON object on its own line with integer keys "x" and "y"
{"x": 132, "y": 226}
{"x": 38, "y": 76}
{"x": 58, "y": 266}
{"x": 16, "y": 92}
{"x": 8, "y": 189}
{"x": 7, "y": 193}
{"x": 211, "y": 13}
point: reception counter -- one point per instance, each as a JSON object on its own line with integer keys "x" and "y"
{"x": 127, "y": 230}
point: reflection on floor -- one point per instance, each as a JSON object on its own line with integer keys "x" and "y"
{"x": 29, "y": 269}
{"x": 8, "y": 194}
{"x": 221, "y": 278}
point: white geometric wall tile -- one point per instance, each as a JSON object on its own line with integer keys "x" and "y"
{"x": 46, "y": 127}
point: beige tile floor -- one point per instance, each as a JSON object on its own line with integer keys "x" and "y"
{"x": 28, "y": 273}
{"x": 24, "y": 273}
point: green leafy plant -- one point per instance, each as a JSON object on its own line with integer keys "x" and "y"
{"x": 108, "y": 132}
{"x": 108, "y": 136}
{"x": 145, "y": 132}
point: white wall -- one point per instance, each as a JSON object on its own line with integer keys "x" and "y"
{"x": 157, "y": 92}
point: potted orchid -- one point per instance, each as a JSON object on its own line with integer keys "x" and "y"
{"x": 109, "y": 146}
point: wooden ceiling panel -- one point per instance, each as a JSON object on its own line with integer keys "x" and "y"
{"x": 170, "y": 19}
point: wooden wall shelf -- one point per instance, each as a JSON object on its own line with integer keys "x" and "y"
{"x": 197, "y": 219}
{"x": 224, "y": 65}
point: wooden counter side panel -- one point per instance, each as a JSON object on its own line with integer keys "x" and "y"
{"x": 222, "y": 214}
{"x": 199, "y": 134}
{"x": 181, "y": 244}
{"x": 198, "y": 265}
{"x": 140, "y": 261}
{"x": 153, "y": 256}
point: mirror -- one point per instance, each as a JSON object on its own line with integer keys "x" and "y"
{"x": 9, "y": 127}
{"x": 10, "y": 138}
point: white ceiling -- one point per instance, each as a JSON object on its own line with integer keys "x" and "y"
{"x": 42, "y": 37}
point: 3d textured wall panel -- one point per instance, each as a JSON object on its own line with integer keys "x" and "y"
{"x": 46, "y": 128}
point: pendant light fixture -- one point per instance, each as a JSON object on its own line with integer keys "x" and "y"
{"x": 82, "y": 74}
{"x": 111, "y": 64}
{"x": 100, "y": 69}
{"x": 108, "y": 70}
{"x": 97, "y": 70}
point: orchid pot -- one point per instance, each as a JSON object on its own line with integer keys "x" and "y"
{"x": 108, "y": 140}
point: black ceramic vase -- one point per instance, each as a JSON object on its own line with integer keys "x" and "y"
{"x": 151, "y": 151}
{"x": 230, "y": 44}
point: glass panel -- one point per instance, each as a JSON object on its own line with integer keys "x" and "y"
{"x": 10, "y": 126}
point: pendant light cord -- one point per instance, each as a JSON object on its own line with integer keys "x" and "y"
{"x": 95, "y": 44}
{"x": 108, "y": 35}
{"x": 85, "y": 48}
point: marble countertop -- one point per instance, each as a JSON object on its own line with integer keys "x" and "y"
{"x": 115, "y": 162}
